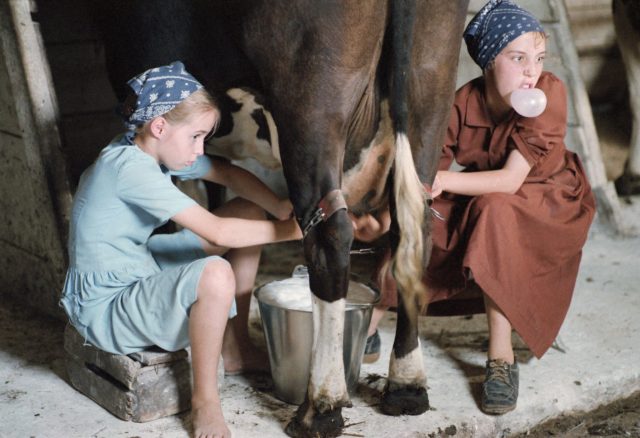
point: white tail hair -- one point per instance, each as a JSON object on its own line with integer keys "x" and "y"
{"x": 410, "y": 200}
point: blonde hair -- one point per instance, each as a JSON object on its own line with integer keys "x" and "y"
{"x": 198, "y": 102}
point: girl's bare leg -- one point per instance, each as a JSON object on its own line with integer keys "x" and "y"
{"x": 238, "y": 352}
{"x": 499, "y": 332}
{"x": 207, "y": 321}
{"x": 376, "y": 316}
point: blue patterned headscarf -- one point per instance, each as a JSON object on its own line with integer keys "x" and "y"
{"x": 497, "y": 24}
{"x": 157, "y": 91}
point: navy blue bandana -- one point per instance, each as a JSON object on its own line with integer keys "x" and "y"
{"x": 157, "y": 91}
{"x": 497, "y": 24}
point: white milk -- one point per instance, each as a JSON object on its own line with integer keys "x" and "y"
{"x": 294, "y": 293}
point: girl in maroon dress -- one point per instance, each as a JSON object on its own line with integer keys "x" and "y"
{"x": 516, "y": 218}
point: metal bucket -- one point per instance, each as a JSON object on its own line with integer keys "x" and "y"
{"x": 287, "y": 322}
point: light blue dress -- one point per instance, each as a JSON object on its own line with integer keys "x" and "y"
{"x": 126, "y": 290}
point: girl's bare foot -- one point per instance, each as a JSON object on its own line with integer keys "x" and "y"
{"x": 208, "y": 421}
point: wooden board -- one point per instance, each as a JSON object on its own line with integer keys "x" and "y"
{"x": 34, "y": 194}
{"x": 161, "y": 390}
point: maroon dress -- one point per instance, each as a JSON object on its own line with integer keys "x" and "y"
{"x": 521, "y": 249}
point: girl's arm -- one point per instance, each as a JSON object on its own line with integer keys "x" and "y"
{"x": 505, "y": 180}
{"x": 246, "y": 185}
{"x": 236, "y": 232}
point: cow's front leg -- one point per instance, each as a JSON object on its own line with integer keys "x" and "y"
{"x": 628, "y": 184}
{"x": 628, "y": 35}
{"x": 406, "y": 390}
{"x": 327, "y": 253}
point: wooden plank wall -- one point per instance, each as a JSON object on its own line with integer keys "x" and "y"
{"x": 600, "y": 62}
{"x": 86, "y": 102}
{"x": 34, "y": 194}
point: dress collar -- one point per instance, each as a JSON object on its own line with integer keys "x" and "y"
{"x": 477, "y": 113}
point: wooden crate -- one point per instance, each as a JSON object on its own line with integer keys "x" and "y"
{"x": 139, "y": 387}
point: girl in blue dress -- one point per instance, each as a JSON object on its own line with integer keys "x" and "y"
{"x": 127, "y": 290}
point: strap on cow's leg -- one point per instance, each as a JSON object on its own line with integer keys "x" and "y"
{"x": 331, "y": 203}
{"x": 436, "y": 213}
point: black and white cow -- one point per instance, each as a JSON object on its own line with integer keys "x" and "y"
{"x": 626, "y": 20}
{"x": 252, "y": 132}
{"x": 324, "y": 67}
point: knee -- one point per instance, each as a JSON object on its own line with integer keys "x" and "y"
{"x": 217, "y": 280}
{"x": 492, "y": 204}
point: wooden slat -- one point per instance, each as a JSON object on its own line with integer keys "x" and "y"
{"x": 161, "y": 390}
{"x": 593, "y": 34}
{"x": 113, "y": 398}
{"x": 543, "y": 10}
{"x": 158, "y": 356}
{"x": 120, "y": 367}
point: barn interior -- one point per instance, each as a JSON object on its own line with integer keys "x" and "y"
{"x": 77, "y": 119}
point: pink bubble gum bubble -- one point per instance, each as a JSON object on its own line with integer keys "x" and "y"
{"x": 529, "y": 102}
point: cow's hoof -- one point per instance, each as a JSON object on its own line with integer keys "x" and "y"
{"x": 628, "y": 184}
{"x": 323, "y": 425}
{"x": 405, "y": 401}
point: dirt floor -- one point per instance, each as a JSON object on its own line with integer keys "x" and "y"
{"x": 618, "y": 419}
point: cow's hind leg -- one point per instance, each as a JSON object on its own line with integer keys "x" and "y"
{"x": 431, "y": 84}
{"x": 406, "y": 390}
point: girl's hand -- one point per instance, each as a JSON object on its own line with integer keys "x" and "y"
{"x": 296, "y": 231}
{"x": 283, "y": 209}
{"x": 437, "y": 188}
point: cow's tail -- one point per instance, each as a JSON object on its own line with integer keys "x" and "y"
{"x": 409, "y": 193}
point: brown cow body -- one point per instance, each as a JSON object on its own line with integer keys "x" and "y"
{"x": 324, "y": 67}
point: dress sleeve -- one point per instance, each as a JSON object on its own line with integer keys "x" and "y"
{"x": 143, "y": 184}
{"x": 451, "y": 138}
{"x": 197, "y": 170}
{"x": 535, "y": 137}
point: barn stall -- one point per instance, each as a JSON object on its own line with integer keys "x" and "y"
{"x": 57, "y": 112}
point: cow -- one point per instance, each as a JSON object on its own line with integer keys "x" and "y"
{"x": 338, "y": 77}
{"x": 626, "y": 20}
